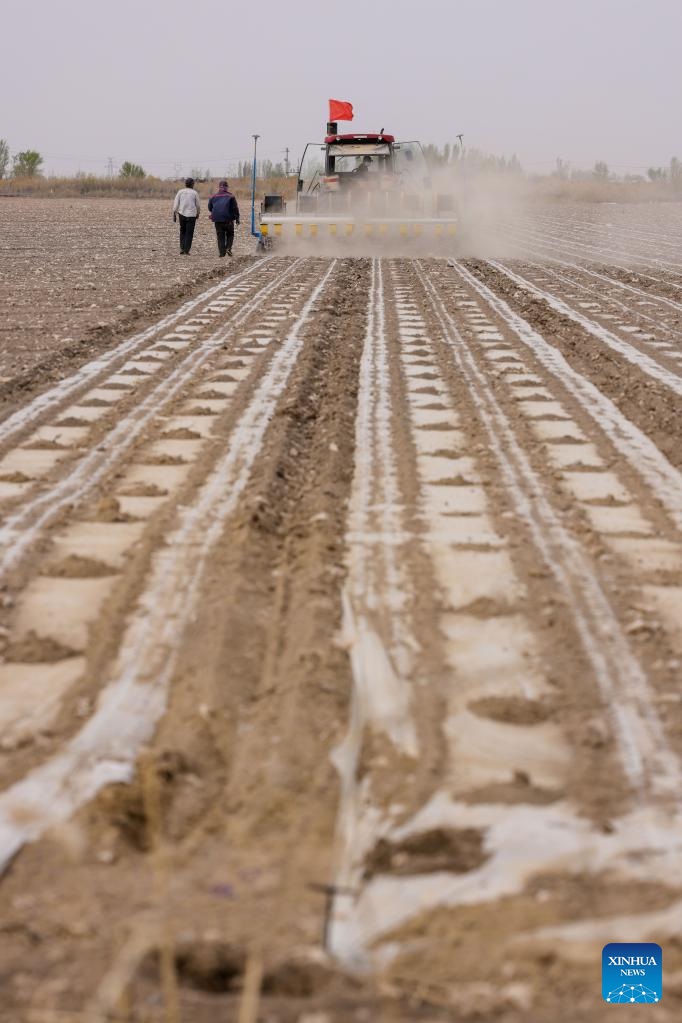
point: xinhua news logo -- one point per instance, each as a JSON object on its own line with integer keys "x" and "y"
{"x": 631, "y": 972}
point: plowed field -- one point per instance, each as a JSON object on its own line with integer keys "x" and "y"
{"x": 341, "y": 606}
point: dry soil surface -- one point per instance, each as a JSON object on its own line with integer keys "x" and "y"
{"x": 340, "y": 627}
{"x": 76, "y": 274}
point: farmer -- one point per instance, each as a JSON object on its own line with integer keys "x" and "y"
{"x": 186, "y": 207}
{"x": 224, "y": 213}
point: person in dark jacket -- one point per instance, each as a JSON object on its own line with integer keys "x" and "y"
{"x": 224, "y": 213}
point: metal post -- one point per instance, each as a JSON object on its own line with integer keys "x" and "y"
{"x": 254, "y": 232}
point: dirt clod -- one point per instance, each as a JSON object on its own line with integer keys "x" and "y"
{"x": 457, "y": 851}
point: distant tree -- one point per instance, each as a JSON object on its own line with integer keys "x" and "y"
{"x": 563, "y": 168}
{"x": 27, "y": 164}
{"x": 4, "y": 157}
{"x": 434, "y": 156}
{"x": 675, "y": 172}
{"x": 657, "y": 174}
{"x": 476, "y": 161}
{"x": 132, "y": 170}
{"x": 601, "y": 171}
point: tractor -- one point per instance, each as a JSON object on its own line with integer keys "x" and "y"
{"x": 366, "y": 190}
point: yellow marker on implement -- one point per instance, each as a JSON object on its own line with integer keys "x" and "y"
{"x": 349, "y": 229}
{"x": 403, "y": 229}
{"x": 278, "y": 229}
{"x": 332, "y": 228}
{"x": 452, "y": 229}
{"x": 417, "y": 229}
{"x": 383, "y": 228}
{"x": 313, "y": 230}
{"x": 264, "y": 229}
{"x": 298, "y": 228}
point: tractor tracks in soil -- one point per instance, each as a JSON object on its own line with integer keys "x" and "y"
{"x": 387, "y": 581}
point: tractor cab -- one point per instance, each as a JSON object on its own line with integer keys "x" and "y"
{"x": 346, "y": 166}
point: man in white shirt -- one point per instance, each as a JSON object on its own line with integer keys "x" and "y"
{"x": 186, "y": 209}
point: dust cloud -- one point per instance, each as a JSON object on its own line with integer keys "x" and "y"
{"x": 455, "y": 210}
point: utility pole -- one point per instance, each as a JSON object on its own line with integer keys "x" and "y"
{"x": 286, "y": 162}
{"x": 110, "y": 167}
{"x": 253, "y": 188}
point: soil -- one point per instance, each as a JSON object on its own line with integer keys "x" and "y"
{"x": 78, "y": 274}
{"x": 339, "y": 630}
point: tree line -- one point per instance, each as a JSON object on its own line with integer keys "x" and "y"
{"x": 470, "y": 159}
{"x": 29, "y": 164}
{"x": 672, "y": 174}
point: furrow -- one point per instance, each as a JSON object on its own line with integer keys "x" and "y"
{"x": 21, "y": 529}
{"x": 643, "y": 362}
{"x": 602, "y": 253}
{"x": 134, "y": 697}
{"x": 645, "y": 755}
{"x": 545, "y": 266}
{"x": 493, "y": 655}
{"x": 66, "y": 389}
{"x": 642, "y": 454}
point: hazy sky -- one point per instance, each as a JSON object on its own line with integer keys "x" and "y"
{"x": 176, "y": 85}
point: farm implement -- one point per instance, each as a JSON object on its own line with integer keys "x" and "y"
{"x": 364, "y": 193}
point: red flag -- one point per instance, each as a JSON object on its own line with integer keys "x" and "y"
{"x": 340, "y": 111}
